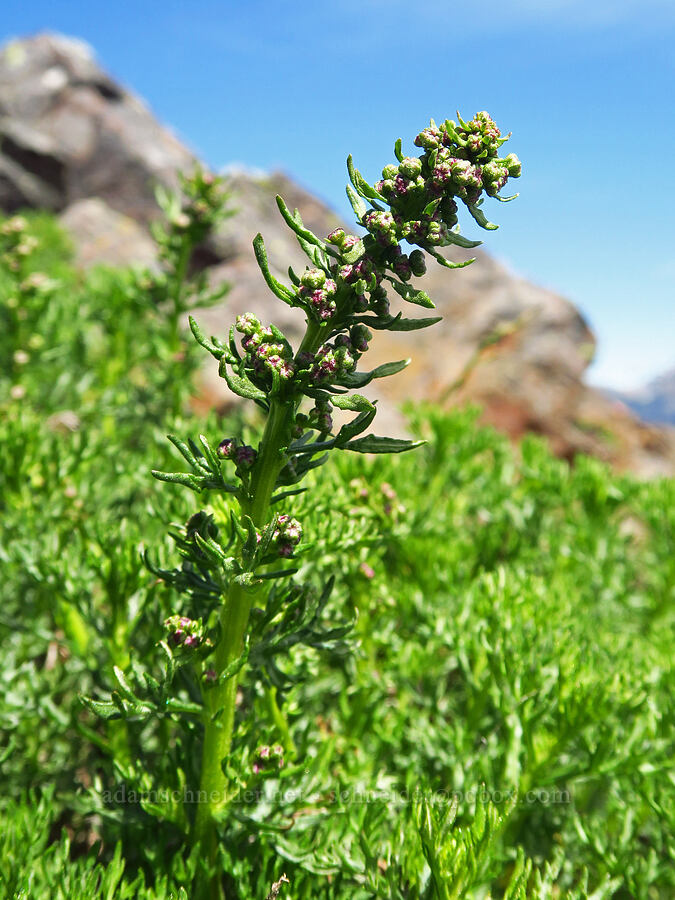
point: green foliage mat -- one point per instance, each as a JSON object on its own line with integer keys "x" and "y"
{"x": 501, "y": 725}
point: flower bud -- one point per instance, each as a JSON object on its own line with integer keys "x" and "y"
{"x": 402, "y": 268}
{"x": 360, "y": 335}
{"x": 513, "y": 165}
{"x": 247, "y": 324}
{"x": 184, "y": 632}
{"x": 418, "y": 264}
{"x": 430, "y": 138}
{"x": 390, "y": 172}
{"x": 226, "y": 448}
{"x": 313, "y": 278}
{"x": 245, "y": 456}
{"x": 337, "y": 237}
{"x": 410, "y": 167}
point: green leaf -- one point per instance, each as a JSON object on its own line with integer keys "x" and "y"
{"x": 240, "y": 385}
{"x": 398, "y": 153}
{"x": 211, "y": 457}
{"x": 185, "y": 451}
{"x": 447, "y": 262}
{"x": 102, "y": 708}
{"x": 202, "y": 340}
{"x": 356, "y": 426}
{"x": 412, "y": 295}
{"x": 295, "y": 222}
{"x": 506, "y": 199}
{"x": 361, "y": 379}
{"x": 184, "y": 478}
{"x": 479, "y": 216}
{"x": 354, "y": 253}
{"x": 458, "y": 240}
{"x": 277, "y": 498}
{"x": 281, "y": 291}
{"x": 361, "y": 185}
{"x": 374, "y": 444}
{"x": 359, "y": 207}
{"x": 397, "y": 323}
{"x": 354, "y": 402}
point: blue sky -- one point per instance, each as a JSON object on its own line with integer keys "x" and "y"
{"x": 584, "y": 85}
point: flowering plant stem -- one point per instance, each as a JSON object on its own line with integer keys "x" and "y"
{"x": 343, "y": 294}
{"x": 234, "y": 621}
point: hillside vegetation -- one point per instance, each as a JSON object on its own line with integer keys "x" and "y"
{"x": 498, "y": 722}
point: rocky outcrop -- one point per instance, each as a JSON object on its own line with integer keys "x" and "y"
{"x": 73, "y": 141}
{"x": 68, "y": 132}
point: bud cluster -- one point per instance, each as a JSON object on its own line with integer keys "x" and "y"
{"x": 267, "y": 759}
{"x": 184, "y": 632}
{"x": 287, "y": 535}
{"x": 317, "y": 293}
{"x": 319, "y": 419}
{"x": 201, "y": 208}
{"x": 264, "y": 353}
{"x": 460, "y": 161}
{"x": 15, "y": 244}
{"x": 334, "y": 359}
{"x": 243, "y": 455}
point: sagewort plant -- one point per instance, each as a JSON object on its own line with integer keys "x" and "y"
{"x": 238, "y": 558}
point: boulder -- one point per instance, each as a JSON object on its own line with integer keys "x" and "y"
{"x": 68, "y": 132}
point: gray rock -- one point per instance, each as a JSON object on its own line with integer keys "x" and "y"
{"x": 102, "y": 234}
{"x": 68, "y": 132}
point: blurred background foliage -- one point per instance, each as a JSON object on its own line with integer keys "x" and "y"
{"x": 502, "y": 726}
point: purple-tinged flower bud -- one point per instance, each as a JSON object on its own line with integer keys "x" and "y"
{"x": 226, "y": 448}
{"x": 337, "y": 236}
{"x": 360, "y": 335}
{"x": 245, "y": 456}
{"x": 379, "y": 302}
{"x": 418, "y": 263}
{"x": 313, "y": 278}
{"x": 401, "y": 186}
{"x": 402, "y": 268}
{"x": 184, "y": 632}
{"x": 251, "y": 341}
{"x": 385, "y": 187}
{"x": 410, "y": 167}
{"x": 300, "y": 425}
{"x": 436, "y": 234}
{"x": 514, "y": 165}
{"x": 210, "y": 676}
{"x": 360, "y": 303}
{"x": 247, "y": 324}
{"x": 367, "y": 570}
{"x": 429, "y": 138}
{"x": 345, "y": 360}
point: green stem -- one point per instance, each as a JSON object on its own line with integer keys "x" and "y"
{"x": 220, "y": 700}
{"x": 279, "y": 720}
